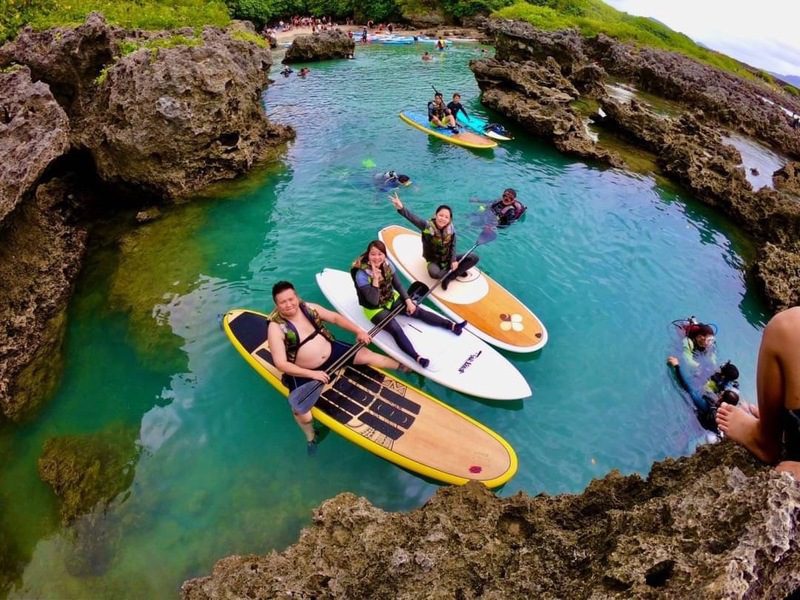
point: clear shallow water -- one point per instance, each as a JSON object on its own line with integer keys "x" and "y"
{"x": 606, "y": 259}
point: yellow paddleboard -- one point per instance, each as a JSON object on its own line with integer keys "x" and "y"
{"x": 388, "y": 417}
{"x": 462, "y": 138}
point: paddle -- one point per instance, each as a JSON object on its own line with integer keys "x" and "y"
{"x": 304, "y": 397}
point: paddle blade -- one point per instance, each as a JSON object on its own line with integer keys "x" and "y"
{"x": 487, "y": 235}
{"x": 417, "y": 289}
{"x": 303, "y": 398}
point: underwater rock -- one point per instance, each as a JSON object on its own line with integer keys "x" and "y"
{"x": 88, "y": 471}
{"x": 323, "y": 45}
{"x": 713, "y": 525}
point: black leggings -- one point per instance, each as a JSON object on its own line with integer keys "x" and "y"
{"x": 437, "y": 272}
{"x": 396, "y": 331}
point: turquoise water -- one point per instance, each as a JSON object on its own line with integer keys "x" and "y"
{"x": 606, "y": 259}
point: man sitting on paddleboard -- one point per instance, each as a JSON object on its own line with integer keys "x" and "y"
{"x": 439, "y": 243}
{"x": 439, "y": 115}
{"x": 508, "y": 209}
{"x": 380, "y": 291}
{"x": 303, "y": 348}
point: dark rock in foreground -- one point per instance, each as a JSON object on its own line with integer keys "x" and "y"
{"x": 324, "y": 45}
{"x": 713, "y": 525}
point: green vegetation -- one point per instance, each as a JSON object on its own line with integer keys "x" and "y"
{"x": 129, "y": 46}
{"x": 249, "y": 36}
{"x": 134, "y": 14}
{"x": 593, "y": 16}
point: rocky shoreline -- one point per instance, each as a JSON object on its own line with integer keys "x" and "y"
{"x": 712, "y": 525}
{"x": 96, "y": 115}
{"x": 545, "y": 80}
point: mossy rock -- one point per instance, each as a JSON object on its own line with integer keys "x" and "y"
{"x": 88, "y": 470}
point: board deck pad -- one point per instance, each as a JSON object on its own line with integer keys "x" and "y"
{"x": 493, "y": 313}
{"x": 387, "y": 416}
{"x": 467, "y": 139}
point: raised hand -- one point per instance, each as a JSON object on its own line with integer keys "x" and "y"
{"x": 398, "y": 204}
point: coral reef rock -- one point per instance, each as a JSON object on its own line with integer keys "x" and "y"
{"x": 713, "y": 525}
{"x": 323, "y": 45}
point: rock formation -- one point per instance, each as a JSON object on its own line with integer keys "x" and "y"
{"x": 40, "y": 248}
{"x": 539, "y": 79}
{"x": 713, "y": 525}
{"x": 158, "y": 115}
{"x": 323, "y": 45}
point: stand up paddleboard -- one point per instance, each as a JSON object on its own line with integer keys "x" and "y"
{"x": 481, "y": 126}
{"x": 493, "y": 313}
{"x": 388, "y": 417}
{"x": 463, "y": 362}
{"x": 462, "y": 138}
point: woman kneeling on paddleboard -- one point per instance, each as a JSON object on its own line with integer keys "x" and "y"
{"x": 380, "y": 291}
{"x": 439, "y": 243}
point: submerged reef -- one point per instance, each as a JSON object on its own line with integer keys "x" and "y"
{"x": 713, "y": 525}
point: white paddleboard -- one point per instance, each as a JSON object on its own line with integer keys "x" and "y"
{"x": 463, "y": 362}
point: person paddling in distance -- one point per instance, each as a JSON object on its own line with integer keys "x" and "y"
{"x": 380, "y": 291}
{"x": 302, "y": 347}
{"x": 439, "y": 243}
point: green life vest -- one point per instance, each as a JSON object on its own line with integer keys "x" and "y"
{"x": 386, "y": 291}
{"x": 291, "y": 337}
{"x": 436, "y": 243}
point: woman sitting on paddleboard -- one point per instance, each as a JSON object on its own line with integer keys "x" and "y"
{"x": 380, "y": 291}
{"x": 439, "y": 243}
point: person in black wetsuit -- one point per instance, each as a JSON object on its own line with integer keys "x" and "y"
{"x": 380, "y": 291}
{"x": 455, "y": 106}
{"x": 389, "y": 180}
{"x": 773, "y": 433}
{"x": 722, "y": 386}
{"x": 439, "y": 243}
{"x": 302, "y": 347}
{"x": 507, "y": 209}
{"x": 439, "y": 115}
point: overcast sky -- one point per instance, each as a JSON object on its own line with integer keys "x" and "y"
{"x": 764, "y": 34}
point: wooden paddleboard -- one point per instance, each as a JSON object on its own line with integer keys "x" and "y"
{"x": 388, "y": 417}
{"x": 462, "y": 138}
{"x": 493, "y": 313}
{"x": 463, "y": 362}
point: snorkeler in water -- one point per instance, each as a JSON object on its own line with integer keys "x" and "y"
{"x": 390, "y": 180}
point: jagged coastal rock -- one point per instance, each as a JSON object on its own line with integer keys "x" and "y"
{"x": 539, "y": 79}
{"x": 713, "y": 525}
{"x": 323, "y": 45}
{"x": 156, "y": 116}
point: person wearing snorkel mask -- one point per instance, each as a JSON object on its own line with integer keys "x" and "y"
{"x": 390, "y": 180}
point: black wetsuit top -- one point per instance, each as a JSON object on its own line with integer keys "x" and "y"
{"x": 791, "y": 434}
{"x": 455, "y": 107}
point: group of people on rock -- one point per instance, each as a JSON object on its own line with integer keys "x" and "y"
{"x": 303, "y": 348}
